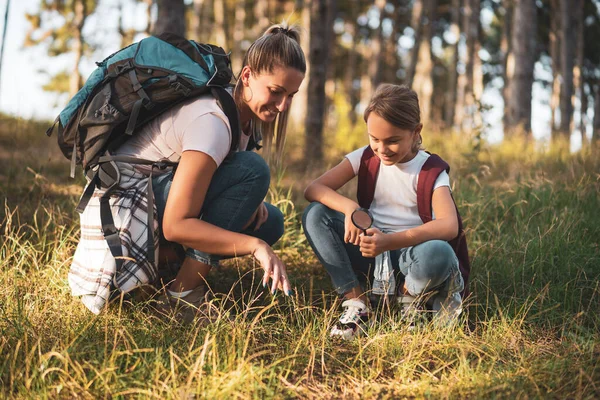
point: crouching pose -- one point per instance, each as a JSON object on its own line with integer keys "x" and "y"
{"x": 415, "y": 251}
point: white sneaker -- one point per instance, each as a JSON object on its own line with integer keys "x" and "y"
{"x": 411, "y": 310}
{"x": 447, "y": 310}
{"x": 353, "y": 321}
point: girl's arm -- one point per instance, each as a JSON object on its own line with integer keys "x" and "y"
{"x": 323, "y": 189}
{"x": 443, "y": 227}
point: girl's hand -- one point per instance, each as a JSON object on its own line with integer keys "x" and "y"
{"x": 352, "y": 234}
{"x": 273, "y": 267}
{"x": 374, "y": 243}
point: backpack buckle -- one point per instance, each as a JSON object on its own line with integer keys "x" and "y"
{"x": 179, "y": 87}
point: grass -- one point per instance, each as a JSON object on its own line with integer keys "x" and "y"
{"x": 530, "y": 330}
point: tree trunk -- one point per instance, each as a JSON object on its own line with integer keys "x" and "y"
{"x": 298, "y": 111}
{"x": 220, "y": 22}
{"x": 351, "y": 71}
{"x": 195, "y": 20}
{"x": 450, "y": 96}
{"x": 391, "y": 61}
{"x": 4, "y": 29}
{"x": 473, "y": 83}
{"x": 238, "y": 37}
{"x": 463, "y": 78}
{"x": 555, "y": 45}
{"x": 579, "y": 79}
{"x": 506, "y": 49}
{"x": 596, "y": 123}
{"x": 520, "y": 68}
{"x": 170, "y": 17}
{"x": 375, "y": 67}
{"x": 80, "y": 12}
{"x": 320, "y": 31}
{"x": 261, "y": 15}
{"x": 416, "y": 24}
{"x": 149, "y": 22}
{"x": 422, "y": 81}
{"x": 568, "y": 39}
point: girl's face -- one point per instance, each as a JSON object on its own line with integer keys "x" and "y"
{"x": 392, "y": 144}
{"x": 269, "y": 94}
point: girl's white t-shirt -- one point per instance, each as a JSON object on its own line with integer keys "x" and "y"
{"x": 198, "y": 125}
{"x": 394, "y": 206}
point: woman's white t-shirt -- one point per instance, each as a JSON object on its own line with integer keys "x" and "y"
{"x": 394, "y": 206}
{"x": 198, "y": 125}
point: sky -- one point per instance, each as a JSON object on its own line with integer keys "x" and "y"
{"x": 26, "y": 70}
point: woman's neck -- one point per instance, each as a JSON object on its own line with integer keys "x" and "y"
{"x": 245, "y": 116}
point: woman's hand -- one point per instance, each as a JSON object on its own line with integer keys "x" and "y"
{"x": 258, "y": 218}
{"x": 273, "y": 267}
{"x": 374, "y": 243}
{"x": 352, "y": 234}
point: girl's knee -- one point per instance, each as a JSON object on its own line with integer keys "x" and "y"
{"x": 435, "y": 260}
{"x": 313, "y": 215}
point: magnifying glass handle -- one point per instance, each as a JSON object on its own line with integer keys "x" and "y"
{"x": 365, "y": 232}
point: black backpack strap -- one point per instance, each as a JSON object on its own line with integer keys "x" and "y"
{"x": 107, "y": 178}
{"x": 230, "y": 109}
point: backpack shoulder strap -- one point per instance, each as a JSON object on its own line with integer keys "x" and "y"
{"x": 367, "y": 177}
{"x": 430, "y": 171}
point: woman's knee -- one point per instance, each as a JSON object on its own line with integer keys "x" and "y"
{"x": 254, "y": 168}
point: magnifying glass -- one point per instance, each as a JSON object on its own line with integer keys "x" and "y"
{"x": 362, "y": 219}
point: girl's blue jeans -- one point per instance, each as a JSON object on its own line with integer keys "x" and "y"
{"x": 426, "y": 267}
{"x": 236, "y": 190}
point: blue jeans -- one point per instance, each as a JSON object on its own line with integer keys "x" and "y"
{"x": 237, "y": 188}
{"x": 428, "y": 266}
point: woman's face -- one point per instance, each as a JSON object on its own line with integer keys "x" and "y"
{"x": 391, "y": 144}
{"x": 269, "y": 94}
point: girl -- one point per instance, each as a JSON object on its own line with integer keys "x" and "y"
{"x": 389, "y": 171}
{"x": 212, "y": 204}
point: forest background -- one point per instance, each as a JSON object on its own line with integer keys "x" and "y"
{"x": 487, "y": 73}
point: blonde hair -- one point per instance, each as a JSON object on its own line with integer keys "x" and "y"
{"x": 398, "y": 105}
{"x": 278, "y": 47}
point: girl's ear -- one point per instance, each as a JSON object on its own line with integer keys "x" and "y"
{"x": 418, "y": 129}
{"x": 245, "y": 75}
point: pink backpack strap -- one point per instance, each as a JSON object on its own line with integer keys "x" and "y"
{"x": 430, "y": 171}
{"x": 367, "y": 177}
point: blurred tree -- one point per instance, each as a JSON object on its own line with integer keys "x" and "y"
{"x": 567, "y": 57}
{"x": 5, "y": 25}
{"x": 238, "y": 36}
{"x": 66, "y": 38}
{"x": 128, "y": 34}
{"x": 520, "y": 66}
{"x": 452, "y": 76}
{"x": 422, "y": 82}
{"x": 321, "y": 31}
{"x": 554, "y": 36}
{"x": 170, "y": 17}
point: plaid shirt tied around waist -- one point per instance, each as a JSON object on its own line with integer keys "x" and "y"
{"x": 95, "y": 273}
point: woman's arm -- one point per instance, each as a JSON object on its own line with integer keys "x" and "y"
{"x": 186, "y": 197}
{"x": 443, "y": 227}
{"x": 323, "y": 189}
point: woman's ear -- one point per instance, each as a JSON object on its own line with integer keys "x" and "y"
{"x": 245, "y": 75}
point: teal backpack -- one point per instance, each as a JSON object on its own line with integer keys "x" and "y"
{"x": 128, "y": 89}
{"x": 135, "y": 85}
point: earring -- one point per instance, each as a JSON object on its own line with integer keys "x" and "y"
{"x": 251, "y": 95}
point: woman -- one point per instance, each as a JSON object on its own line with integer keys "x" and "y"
{"x": 212, "y": 204}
